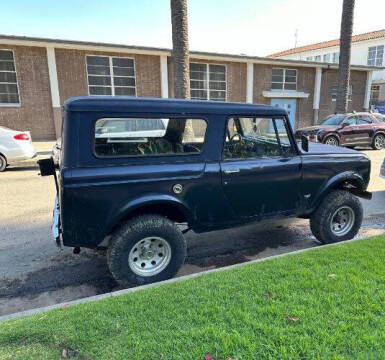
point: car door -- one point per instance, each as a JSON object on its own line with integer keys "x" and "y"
{"x": 348, "y": 130}
{"x": 261, "y": 169}
{"x": 364, "y": 129}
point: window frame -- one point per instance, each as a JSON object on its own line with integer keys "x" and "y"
{"x": 111, "y": 67}
{"x": 284, "y": 79}
{"x": 207, "y": 88}
{"x": 375, "y": 58}
{"x": 324, "y": 56}
{"x": 18, "y": 104}
{"x": 293, "y": 144}
{"x": 148, "y": 156}
{"x": 336, "y": 57}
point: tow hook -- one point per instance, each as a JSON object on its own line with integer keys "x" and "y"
{"x": 76, "y": 250}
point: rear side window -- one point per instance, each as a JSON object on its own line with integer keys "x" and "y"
{"x": 120, "y": 137}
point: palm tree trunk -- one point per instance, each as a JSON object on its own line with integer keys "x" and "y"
{"x": 181, "y": 57}
{"x": 344, "y": 66}
{"x": 180, "y": 48}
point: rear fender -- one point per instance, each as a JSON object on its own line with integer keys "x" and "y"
{"x": 151, "y": 201}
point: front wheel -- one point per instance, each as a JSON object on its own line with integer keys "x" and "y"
{"x": 332, "y": 140}
{"x": 146, "y": 249}
{"x": 378, "y": 142}
{"x": 338, "y": 217}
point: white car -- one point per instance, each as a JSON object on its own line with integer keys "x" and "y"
{"x": 15, "y": 146}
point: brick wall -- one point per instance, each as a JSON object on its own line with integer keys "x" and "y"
{"x": 305, "y": 83}
{"x": 72, "y": 75}
{"x": 35, "y": 112}
{"x": 330, "y": 79}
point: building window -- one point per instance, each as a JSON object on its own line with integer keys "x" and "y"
{"x": 317, "y": 58}
{"x": 309, "y": 58}
{"x": 376, "y": 55}
{"x": 336, "y": 57}
{"x": 284, "y": 79}
{"x": 334, "y": 93}
{"x": 375, "y": 94}
{"x": 208, "y": 81}
{"x": 326, "y": 58}
{"x": 111, "y": 76}
{"x": 9, "y": 91}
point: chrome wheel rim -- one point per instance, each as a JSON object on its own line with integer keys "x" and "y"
{"x": 342, "y": 221}
{"x": 149, "y": 256}
{"x": 379, "y": 141}
{"x": 332, "y": 141}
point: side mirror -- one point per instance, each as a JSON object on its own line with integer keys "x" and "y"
{"x": 344, "y": 124}
{"x": 305, "y": 143}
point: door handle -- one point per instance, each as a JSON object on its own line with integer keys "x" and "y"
{"x": 233, "y": 171}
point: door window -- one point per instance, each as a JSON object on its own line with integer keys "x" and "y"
{"x": 257, "y": 138}
{"x": 352, "y": 120}
{"x": 364, "y": 120}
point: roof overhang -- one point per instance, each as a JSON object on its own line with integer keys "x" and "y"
{"x": 133, "y": 49}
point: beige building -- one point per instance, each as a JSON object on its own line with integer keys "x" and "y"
{"x": 38, "y": 75}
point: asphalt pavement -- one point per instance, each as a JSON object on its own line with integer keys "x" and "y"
{"x": 34, "y": 272}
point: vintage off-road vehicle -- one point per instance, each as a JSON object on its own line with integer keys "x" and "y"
{"x": 136, "y": 173}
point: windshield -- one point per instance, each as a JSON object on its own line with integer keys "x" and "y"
{"x": 334, "y": 120}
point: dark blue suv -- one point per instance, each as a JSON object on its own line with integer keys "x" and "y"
{"x": 136, "y": 173}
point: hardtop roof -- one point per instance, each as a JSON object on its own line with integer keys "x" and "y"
{"x": 123, "y": 104}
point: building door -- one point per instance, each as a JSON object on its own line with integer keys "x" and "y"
{"x": 289, "y": 105}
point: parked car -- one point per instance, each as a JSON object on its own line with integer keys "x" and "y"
{"x": 350, "y": 130}
{"x": 217, "y": 165}
{"x": 14, "y": 146}
{"x": 379, "y": 117}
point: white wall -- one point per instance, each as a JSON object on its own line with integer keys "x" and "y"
{"x": 359, "y": 55}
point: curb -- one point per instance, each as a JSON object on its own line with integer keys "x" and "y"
{"x": 161, "y": 283}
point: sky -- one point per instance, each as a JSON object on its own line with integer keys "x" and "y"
{"x": 252, "y": 27}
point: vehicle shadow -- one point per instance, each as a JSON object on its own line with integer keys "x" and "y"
{"x": 17, "y": 168}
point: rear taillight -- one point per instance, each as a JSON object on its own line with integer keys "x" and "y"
{"x": 21, "y": 136}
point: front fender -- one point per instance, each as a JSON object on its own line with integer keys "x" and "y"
{"x": 336, "y": 181}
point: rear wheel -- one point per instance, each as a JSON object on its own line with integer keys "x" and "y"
{"x": 3, "y": 163}
{"x": 338, "y": 217}
{"x": 146, "y": 249}
{"x": 332, "y": 140}
{"x": 378, "y": 142}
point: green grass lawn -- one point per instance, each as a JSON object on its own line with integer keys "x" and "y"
{"x": 327, "y": 303}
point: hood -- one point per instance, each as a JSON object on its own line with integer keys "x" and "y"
{"x": 315, "y": 128}
{"x": 318, "y": 148}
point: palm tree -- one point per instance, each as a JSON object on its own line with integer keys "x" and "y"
{"x": 181, "y": 57}
{"x": 180, "y": 48}
{"x": 345, "y": 45}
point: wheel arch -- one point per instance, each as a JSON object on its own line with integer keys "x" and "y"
{"x": 164, "y": 205}
{"x": 335, "y": 134}
{"x": 349, "y": 181}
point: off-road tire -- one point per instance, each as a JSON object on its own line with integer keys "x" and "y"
{"x": 337, "y": 141}
{"x": 3, "y": 163}
{"x": 376, "y": 144}
{"x": 129, "y": 234}
{"x": 321, "y": 218}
